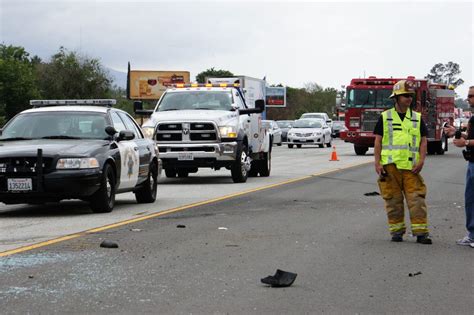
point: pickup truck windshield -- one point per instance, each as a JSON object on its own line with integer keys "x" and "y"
{"x": 369, "y": 98}
{"x": 210, "y": 100}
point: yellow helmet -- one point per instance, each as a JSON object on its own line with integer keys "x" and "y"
{"x": 403, "y": 87}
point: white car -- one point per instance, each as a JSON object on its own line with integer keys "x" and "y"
{"x": 274, "y": 130}
{"x": 322, "y": 116}
{"x": 309, "y": 132}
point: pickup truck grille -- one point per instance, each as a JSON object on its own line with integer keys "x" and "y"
{"x": 186, "y": 132}
{"x": 369, "y": 120}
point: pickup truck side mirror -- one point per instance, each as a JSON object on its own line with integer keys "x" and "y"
{"x": 138, "y": 109}
{"x": 259, "y": 108}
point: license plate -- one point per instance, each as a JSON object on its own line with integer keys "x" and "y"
{"x": 303, "y": 140}
{"x": 20, "y": 184}
{"x": 185, "y": 156}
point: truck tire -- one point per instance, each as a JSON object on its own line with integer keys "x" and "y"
{"x": 265, "y": 164}
{"x": 147, "y": 193}
{"x": 360, "y": 150}
{"x": 170, "y": 172}
{"x": 298, "y": 146}
{"x": 239, "y": 170}
{"x": 183, "y": 173}
{"x": 290, "y": 146}
{"x": 103, "y": 200}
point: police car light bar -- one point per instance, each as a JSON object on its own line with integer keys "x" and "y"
{"x": 207, "y": 85}
{"x": 96, "y": 102}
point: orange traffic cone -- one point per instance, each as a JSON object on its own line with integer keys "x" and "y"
{"x": 334, "y": 154}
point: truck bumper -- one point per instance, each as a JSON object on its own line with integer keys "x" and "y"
{"x": 225, "y": 151}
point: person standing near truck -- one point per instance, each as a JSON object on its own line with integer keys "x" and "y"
{"x": 400, "y": 151}
{"x": 466, "y": 139}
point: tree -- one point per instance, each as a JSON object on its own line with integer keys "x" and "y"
{"x": 73, "y": 76}
{"x": 17, "y": 81}
{"x": 201, "y": 77}
{"x": 445, "y": 73}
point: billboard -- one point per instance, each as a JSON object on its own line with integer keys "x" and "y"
{"x": 149, "y": 85}
{"x": 275, "y": 97}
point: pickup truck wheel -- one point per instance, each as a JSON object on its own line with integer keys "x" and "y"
{"x": 182, "y": 173}
{"x": 170, "y": 172}
{"x": 290, "y": 146}
{"x": 103, "y": 200}
{"x": 254, "y": 167}
{"x": 241, "y": 166}
{"x": 266, "y": 164}
{"x": 147, "y": 193}
{"x": 298, "y": 146}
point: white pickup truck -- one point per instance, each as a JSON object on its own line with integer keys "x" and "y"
{"x": 209, "y": 125}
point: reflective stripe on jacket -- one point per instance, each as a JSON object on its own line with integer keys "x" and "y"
{"x": 401, "y": 139}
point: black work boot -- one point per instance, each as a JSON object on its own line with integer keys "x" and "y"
{"x": 397, "y": 238}
{"x": 424, "y": 239}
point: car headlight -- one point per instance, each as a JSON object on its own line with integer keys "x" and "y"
{"x": 77, "y": 163}
{"x": 228, "y": 131}
{"x": 317, "y": 133}
{"x": 148, "y": 132}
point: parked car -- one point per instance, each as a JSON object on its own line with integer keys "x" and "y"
{"x": 285, "y": 125}
{"x": 323, "y": 116}
{"x": 53, "y": 152}
{"x": 337, "y": 127}
{"x": 309, "y": 131}
{"x": 274, "y": 130}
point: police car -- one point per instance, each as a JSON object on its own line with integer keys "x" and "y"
{"x": 76, "y": 149}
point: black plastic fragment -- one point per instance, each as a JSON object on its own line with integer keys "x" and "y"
{"x": 109, "y": 244}
{"x": 181, "y": 226}
{"x": 280, "y": 279}
{"x": 374, "y": 193}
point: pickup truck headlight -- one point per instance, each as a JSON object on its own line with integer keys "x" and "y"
{"x": 228, "y": 131}
{"x": 148, "y": 132}
{"x": 77, "y": 163}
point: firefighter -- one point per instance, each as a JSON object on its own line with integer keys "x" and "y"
{"x": 400, "y": 151}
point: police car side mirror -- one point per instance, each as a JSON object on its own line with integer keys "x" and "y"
{"x": 126, "y": 135}
{"x": 110, "y": 130}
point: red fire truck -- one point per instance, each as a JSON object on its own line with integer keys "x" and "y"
{"x": 367, "y": 98}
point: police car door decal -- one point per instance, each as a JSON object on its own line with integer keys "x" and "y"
{"x": 129, "y": 160}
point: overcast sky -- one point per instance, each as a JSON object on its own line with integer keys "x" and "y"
{"x": 288, "y": 42}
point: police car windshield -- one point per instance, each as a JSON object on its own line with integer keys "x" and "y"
{"x": 192, "y": 100}
{"x": 56, "y": 125}
{"x": 369, "y": 98}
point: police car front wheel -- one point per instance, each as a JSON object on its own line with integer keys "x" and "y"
{"x": 103, "y": 200}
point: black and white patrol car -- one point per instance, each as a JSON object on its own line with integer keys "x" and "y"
{"x": 76, "y": 149}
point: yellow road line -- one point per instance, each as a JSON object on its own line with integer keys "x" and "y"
{"x": 165, "y": 212}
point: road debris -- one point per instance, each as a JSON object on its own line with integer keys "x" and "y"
{"x": 222, "y": 228}
{"x": 109, "y": 244}
{"x": 374, "y": 193}
{"x": 280, "y": 279}
{"x": 181, "y": 226}
{"x": 136, "y": 230}
{"x": 414, "y": 274}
